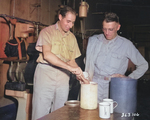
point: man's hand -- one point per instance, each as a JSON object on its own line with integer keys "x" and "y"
{"x": 118, "y": 75}
{"x": 82, "y": 79}
{"x": 75, "y": 69}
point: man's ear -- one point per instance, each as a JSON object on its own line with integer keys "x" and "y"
{"x": 60, "y": 17}
{"x": 118, "y": 27}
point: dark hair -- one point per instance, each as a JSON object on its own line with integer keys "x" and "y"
{"x": 111, "y": 17}
{"x": 65, "y": 9}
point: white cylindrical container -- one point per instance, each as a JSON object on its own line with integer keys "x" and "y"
{"x": 88, "y": 96}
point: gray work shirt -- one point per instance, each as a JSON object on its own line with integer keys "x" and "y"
{"x": 107, "y": 57}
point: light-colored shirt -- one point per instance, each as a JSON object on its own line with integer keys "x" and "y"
{"x": 107, "y": 57}
{"x": 63, "y": 46}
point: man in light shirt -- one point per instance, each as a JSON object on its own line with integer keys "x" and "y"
{"x": 108, "y": 55}
{"x": 58, "y": 49}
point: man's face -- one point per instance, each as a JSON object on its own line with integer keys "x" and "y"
{"x": 110, "y": 29}
{"x": 67, "y": 22}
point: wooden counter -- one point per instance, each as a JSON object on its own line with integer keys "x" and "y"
{"x": 77, "y": 113}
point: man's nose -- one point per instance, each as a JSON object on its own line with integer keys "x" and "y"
{"x": 106, "y": 31}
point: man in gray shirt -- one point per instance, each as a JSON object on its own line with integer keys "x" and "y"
{"x": 108, "y": 55}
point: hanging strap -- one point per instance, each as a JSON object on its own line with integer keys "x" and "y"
{"x": 19, "y": 48}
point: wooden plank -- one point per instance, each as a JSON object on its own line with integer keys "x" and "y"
{"x": 15, "y": 93}
{"x": 3, "y": 78}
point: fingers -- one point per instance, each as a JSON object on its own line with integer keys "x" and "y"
{"x": 77, "y": 71}
{"x": 82, "y": 79}
{"x": 118, "y": 75}
{"x": 85, "y": 81}
{"x": 79, "y": 75}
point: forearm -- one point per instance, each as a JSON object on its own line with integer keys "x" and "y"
{"x": 72, "y": 63}
{"x": 139, "y": 72}
{"x": 54, "y": 60}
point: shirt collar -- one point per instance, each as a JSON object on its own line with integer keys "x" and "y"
{"x": 110, "y": 41}
{"x": 56, "y": 26}
{"x": 113, "y": 40}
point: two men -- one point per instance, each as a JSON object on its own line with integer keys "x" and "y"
{"x": 108, "y": 55}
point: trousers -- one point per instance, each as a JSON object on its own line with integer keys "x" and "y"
{"x": 103, "y": 88}
{"x": 50, "y": 89}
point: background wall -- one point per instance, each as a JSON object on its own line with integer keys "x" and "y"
{"x": 43, "y": 11}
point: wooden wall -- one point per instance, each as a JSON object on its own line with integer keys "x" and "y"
{"x": 5, "y": 6}
{"x": 42, "y": 11}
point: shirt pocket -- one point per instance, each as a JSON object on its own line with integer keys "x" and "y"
{"x": 115, "y": 60}
{"x": 69, "y": 52}
{"x": 113, "y": 63}
{"x": 56, "y": 47}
